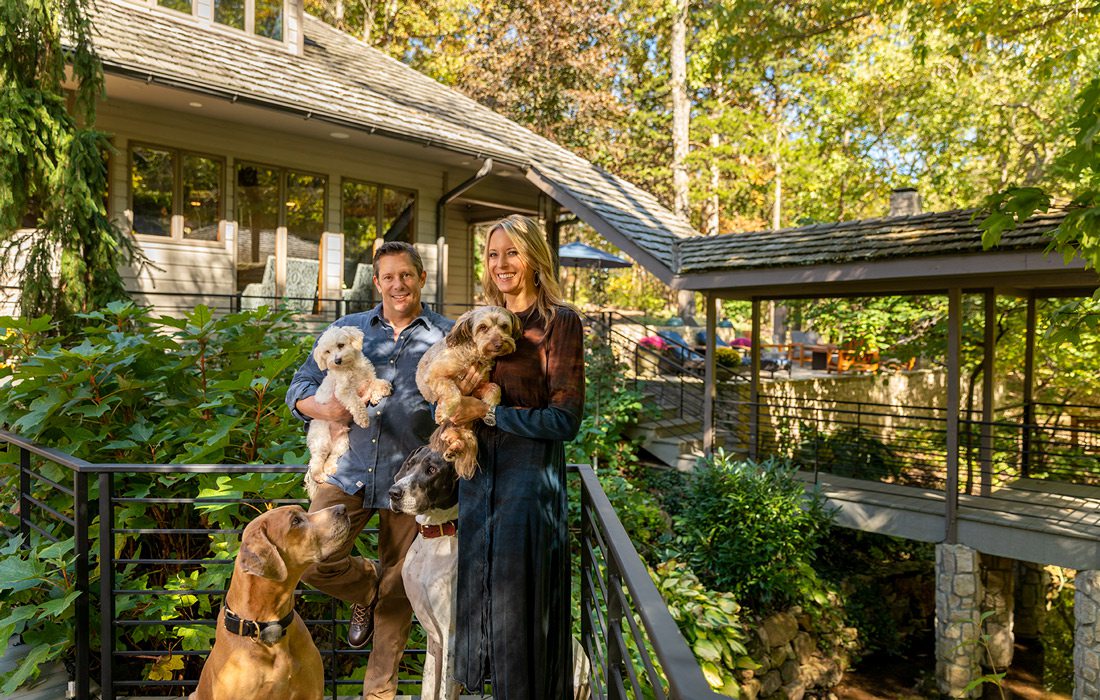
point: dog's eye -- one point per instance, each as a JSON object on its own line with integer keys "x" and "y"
{"x": 339, "y": 346}
{"x": 295, "y": 521}
{"x": 433, "y": 470}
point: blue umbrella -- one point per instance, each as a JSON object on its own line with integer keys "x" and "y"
{"x": 577, "y": 254}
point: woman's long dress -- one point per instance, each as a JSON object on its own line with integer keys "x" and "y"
{"x": 513, "y": 564}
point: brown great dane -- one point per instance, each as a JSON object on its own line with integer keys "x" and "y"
{"x": 262, "y": 648}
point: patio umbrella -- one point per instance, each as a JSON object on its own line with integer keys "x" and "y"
{"x": 577, "y": 254}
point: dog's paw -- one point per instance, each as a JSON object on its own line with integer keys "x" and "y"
{"x": 379, "y": 390}
{"x": 362, "y": 421}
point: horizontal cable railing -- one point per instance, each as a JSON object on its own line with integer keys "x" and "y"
{"x": 162, "y": 579}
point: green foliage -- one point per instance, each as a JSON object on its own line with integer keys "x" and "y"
{"x": 640, "y": 513}
{"x": 852, "y": 452}
{"x": 752, "y": 530}
{"x": 1058, "y": 633}
{"x": 710, "y": 623}
{"x": 611, "y": 408}
{"x": 138, "y": 389}
{"x": 53, "y": 164}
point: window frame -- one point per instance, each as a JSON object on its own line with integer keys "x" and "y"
{"x": 379, "y": 187}
{"x": 175, "y": 227}
{"x": 249, "y": 18}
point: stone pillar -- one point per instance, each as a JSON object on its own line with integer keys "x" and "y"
{"x": 958, "y": 619}
{"x": 1086, "y": 639}
{"x": 1032, "y": 584}
{"x": 998, "y": 602}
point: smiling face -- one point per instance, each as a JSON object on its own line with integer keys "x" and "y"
{"x": 400, "y": 285}
{"x": 507, "y": 269}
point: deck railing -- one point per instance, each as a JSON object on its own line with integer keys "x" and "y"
{"x": 633, "y": 643}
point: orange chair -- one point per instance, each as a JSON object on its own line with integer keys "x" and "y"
{"x": 843, "y": 360}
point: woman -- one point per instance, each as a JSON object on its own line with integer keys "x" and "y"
{"x": 513, "y": 570}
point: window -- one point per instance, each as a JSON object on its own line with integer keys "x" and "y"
{"x": 261, "y": 17}
{"x": 175, "y": 194}
{"x": 269, "y": 197}
{"x": 373, "y": 211}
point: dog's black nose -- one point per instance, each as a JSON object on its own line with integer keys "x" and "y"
{"x": 395, "y": 492}
{"x": 340, "y": 510}
{"x": 338, "y": 361}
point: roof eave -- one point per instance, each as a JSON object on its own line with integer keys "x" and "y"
{"x": 1019, "y": 269}
{"x": 603, "y": 227}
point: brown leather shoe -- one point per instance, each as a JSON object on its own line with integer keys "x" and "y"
{"x": 362, "y": 624}
{"x": 361, "y": 628}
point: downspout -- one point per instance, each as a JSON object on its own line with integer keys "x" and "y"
{"x": 441, "y": 227}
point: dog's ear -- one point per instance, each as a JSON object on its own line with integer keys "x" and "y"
{"x": 356, "y": 337}
{"x": 463, "y": 332}
{"x": 517, "y": 325}
{"x": 259, "y": 557}
{"x": 319, "y": 356}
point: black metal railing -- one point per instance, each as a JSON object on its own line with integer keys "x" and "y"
{"x": 634, "y": 645}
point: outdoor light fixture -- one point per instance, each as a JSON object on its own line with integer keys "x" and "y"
{"x": 339, "y": 135}
{"x": 196, "y": 105}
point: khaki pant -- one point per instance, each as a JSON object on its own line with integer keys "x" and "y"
{"x": 348, "y": 578}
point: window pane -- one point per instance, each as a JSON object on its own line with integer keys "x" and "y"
{"x": 202, "y": 195}
{"x": 305, "y": 213}
{"x": 257, "y": 218}
{"x": 151, "y": 176}
{"x": 398, "y": 214}
{"x": 229, "y": 12}
{"x": 269, "y": 18}
{"x": 359, "y": 203}
{"x": 181, "y": 5}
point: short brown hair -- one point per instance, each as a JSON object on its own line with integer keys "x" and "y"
{"x": 396, "y": 247}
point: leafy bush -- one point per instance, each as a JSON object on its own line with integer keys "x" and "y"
{"x": 138, "y": 389}
{"x": 640, "y": 514}
{"x": 851, "y": 452}
{"x": 710, "y": 623}
{"x": 752, "y": 530}
{"x": 611, "y": 407}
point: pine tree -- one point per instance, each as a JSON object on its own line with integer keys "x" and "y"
{"x": 53, "y": 163}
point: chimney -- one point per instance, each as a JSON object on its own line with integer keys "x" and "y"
{"x": 904, "y": 201}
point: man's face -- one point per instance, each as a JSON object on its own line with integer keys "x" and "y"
{"x": 400, "y": 286}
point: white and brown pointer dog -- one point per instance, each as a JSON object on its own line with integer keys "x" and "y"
{"x": 262, "y": 649}
{"x": 427, "y": 487}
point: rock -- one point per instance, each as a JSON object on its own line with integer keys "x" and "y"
{"x": 779, "y": 629}
{"x": 770, "y": 683}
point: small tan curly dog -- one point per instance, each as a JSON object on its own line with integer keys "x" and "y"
{"x": 479, "y": 337}
{"x": 351, "y": 380}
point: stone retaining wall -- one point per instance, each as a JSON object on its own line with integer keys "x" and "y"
{"x": 793, "y": 664}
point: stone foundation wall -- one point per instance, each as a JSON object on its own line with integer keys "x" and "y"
{"x": 1086, "y": 640}
{"x": 793, "y": 664}
{"x": 958, "y": 619}
{"x": 998, "y": 604}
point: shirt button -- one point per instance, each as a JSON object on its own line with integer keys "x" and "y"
{"x": 374, "y": 440}
{"x": 369, "y": 470}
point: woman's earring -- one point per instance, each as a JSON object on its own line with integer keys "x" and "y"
{"x": 537, "y": 280}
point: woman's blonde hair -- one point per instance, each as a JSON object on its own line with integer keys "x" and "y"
{"x": 530, "y": 242}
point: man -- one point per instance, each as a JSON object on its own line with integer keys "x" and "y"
{"x": 396, "y": 333}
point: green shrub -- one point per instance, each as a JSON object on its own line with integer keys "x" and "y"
{"x": 851, "y": 452}
{"x": 751, "y": 529}
{"x": 640, "y": 514}
{"x": 138, "y": 389}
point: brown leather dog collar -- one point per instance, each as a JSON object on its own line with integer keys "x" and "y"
{"x": 447, "y": 529}
{"x": 255, "y": 630}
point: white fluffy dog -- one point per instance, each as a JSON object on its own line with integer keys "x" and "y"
{"x": 351, "y": 380}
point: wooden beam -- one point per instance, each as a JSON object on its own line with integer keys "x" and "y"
{"x": 754, "y": 383}
{"x": 985, "y": 454}
{"x": 954, "y": 356}
{"x": 709, "y": 376}
{"x": 1029, "y": 387}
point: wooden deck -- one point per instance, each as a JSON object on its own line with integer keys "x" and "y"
{"x": 1042, "y": 522}
{"x": 53, "y": 684}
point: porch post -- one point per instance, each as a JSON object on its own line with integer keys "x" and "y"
{"x": 708, "y": 376}
{"x": 1029, "y": 381}
{"x": 754, "y": 382}
{"x": 985, "y": 455}
{"x": 954, "y": 333}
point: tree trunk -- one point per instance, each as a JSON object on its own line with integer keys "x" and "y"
{"x": 681, "y": 108}
{"x": 711, "y": 221}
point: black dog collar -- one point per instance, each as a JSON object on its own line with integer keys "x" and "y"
{"x": 255, "y": 630}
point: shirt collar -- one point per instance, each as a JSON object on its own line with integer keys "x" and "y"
{"x": 426, "y": 317}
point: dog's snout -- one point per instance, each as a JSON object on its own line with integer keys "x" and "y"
{"x": 340, "y": 510}
{"x": 395, "y": 492}
{"x": 338, "y": 361}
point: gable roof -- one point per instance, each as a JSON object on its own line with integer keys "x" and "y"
{"x": 339, "y": 79}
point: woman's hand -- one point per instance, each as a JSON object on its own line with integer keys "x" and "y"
{"x": 469, "y": 409}
{"x": 469, "y": 381}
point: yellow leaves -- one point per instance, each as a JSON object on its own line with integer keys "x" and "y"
{"x": 164, "y": 667}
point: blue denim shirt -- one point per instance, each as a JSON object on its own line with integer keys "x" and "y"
{"x": 401, "y": 422}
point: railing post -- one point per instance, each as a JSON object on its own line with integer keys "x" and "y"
{"x": 616, "y": 665}
{"x": 82, "y": 627}
{"x": 588, "y": 635}
{"x": 24, "y": 496}
{"x": 106, "y": 587}
{"x": 1029, "y": 383}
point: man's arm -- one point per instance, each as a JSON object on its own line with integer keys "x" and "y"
{"x": 331, "y": 411}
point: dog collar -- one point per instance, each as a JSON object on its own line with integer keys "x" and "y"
{"x": 447, "y": 529}
{"x": 253, "y": 629}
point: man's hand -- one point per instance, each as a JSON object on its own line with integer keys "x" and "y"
{"x": 469, "y": 409}
{"x": 331, "y": 411}
{"x": 469, "y": 381}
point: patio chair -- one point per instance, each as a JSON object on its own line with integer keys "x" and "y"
{"x": 261, "y": 293}
{"x": 847, "y": 359}
{"x": 701, "y": 340}
{"x": 359, "y": 297}
{"x": 799, "y": 348}
{"x": 301, "y": 284}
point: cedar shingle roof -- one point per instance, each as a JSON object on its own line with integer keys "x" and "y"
{"x": 341, "y": 79}
{"x": 942, "y": 233}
